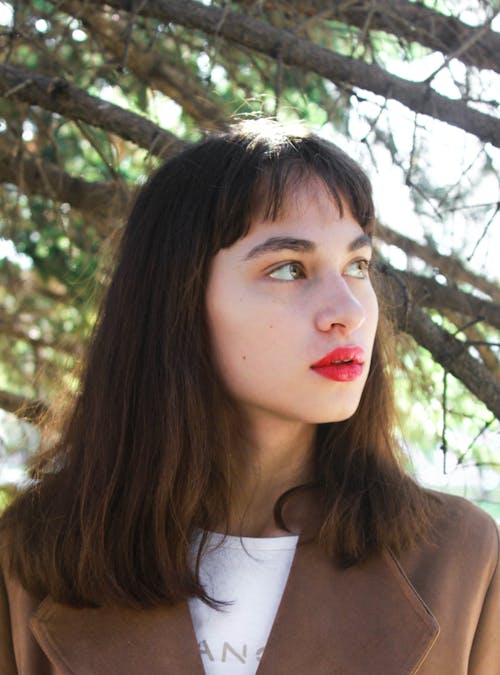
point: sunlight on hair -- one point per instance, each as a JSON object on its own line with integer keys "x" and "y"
{"x": 275, "y": 133}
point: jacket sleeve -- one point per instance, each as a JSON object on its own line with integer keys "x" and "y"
{"x": 485, "y": 653}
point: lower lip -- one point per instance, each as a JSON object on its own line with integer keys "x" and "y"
{"x": 342, "y": 372}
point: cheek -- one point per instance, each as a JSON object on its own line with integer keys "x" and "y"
{"x": 237, "y": 333}
{"x": 228, "y": 326}
{"x": 245, "y": 336}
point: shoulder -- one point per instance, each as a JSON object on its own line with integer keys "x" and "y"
{"x": 461, "y": 554}
{"x": 461, "y": 525}
{"x": 456, "y": 574}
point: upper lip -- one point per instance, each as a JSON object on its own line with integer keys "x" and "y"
{"x": 353, "y": 354}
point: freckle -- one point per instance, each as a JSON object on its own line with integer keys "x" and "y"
{"x": 270, "y": 325}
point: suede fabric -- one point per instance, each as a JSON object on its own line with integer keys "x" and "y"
{"x": 433, "y": 611}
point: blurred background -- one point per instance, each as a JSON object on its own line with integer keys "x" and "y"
{"x": 94, "y": 94}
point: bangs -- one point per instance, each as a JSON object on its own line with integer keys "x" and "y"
{"x": 310, "y": 160}
{"x": 273, "y": 191}
{"x": 262, "y": 172}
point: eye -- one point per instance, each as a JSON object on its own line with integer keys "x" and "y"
{"x": 358, "y": 269}
{"x": 288, "y": 272}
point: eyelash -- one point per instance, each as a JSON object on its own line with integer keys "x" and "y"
{"x": 284, "y": 266}
{"x": 364, "y": 267}
{"x": 363, "y": 264}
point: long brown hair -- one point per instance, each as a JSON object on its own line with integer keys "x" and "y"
{"x": 144, "y": 457}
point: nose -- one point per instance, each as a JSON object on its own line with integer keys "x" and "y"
{"x": 339, "y": 308}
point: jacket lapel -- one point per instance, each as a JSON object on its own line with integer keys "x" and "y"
{"x": 364, "y": 619}
{"x": 126, "y": 641}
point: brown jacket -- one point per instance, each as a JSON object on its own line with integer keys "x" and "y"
{"x": 435, "y": 611}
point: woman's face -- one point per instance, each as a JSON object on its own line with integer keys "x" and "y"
{"x": 292, "y": 312}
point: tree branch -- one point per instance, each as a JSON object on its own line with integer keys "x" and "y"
{"x": 452, "y": 354}
{"x": 61, "y": 97}
{"x": 12, "y": 327}
{"x": 22, "y": 407}
{"x": 476, "y": 339}
{"x": 262, "y": 37}
{"x": 173, "y": 80}
{"x": 22, "y": 284}
{"x": 427, "y": 292}
{"x": 449, "y": 266}
{"x": 106, "y": 202}
{"x": 411, "y": 21}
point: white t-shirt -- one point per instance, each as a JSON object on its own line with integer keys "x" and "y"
{"x": 251, "y": 574}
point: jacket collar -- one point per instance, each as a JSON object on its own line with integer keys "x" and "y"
{"x": 367, "y": 618}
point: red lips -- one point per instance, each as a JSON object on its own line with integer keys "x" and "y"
{"x": 343, "y": 364}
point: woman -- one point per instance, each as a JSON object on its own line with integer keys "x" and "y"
{"x": 237, "y": 385}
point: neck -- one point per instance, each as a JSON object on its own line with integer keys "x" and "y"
{"x": 277, "y": 455}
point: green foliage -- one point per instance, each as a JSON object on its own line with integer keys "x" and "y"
{"x": 493, "y": 508}
{"x": 6, "y": 496}
{"x": 425, "y": 408}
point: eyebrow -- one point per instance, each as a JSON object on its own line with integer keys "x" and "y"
{"x": 274, "y": 244}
